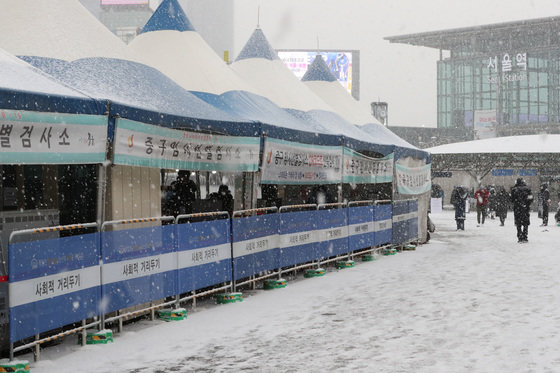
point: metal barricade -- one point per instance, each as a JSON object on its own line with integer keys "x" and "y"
{"x": 56, "y": 269}
{"x": 133, "y": 260}
{"x": 255, "y": 248}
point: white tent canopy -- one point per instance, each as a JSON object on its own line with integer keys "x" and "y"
{"x": 61, "y": 29}
{"x": 273, "y": 79}
{"x": 512, "y": 144}
{"x": 324, "y": 84}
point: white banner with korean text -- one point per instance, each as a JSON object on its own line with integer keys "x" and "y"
{"x": 359, "y": 169}
{"x": 413, "y": 180}
{"x": 141, "y": 144}
{"x": 286, "y": 162}
{"x": 30, "y": 137}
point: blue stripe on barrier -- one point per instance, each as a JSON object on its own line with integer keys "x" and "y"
{"x": 255, "y": 245}
{"x": 52, "y": 283}
{"x": 383, "y": 226}
{"x": 332, "y": 232}
{"x": 296, "y": 237}
{"x": 139, "y": 265}
{"x": 360, "y": 227}
{"x": 33, "y": 318}
{"x": 204, "y": 254}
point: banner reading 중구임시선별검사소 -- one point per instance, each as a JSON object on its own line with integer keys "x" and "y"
{"x": 286, "y": 162}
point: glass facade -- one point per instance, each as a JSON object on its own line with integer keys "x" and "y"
{"x": 520, "y": 86}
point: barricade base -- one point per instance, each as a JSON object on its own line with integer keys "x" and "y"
{"x": 224, "y": 298}
{"x": 369, "y": 257}
{"x": 95, "y": 337}
{"x": 275, "y": 284}
{"x": 409, "y": 247}
{"x": 18, "y": 366}
{"x": 389, "y": 251}
{"x": 316, "y": 272}
{"x": 345, "y": 264}
{"x": 172, "y": 314}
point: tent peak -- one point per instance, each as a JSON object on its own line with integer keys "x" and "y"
{"x": 168, "y": 16}
{"x": 318, "y": 71}
{"x": 257, "y": 47}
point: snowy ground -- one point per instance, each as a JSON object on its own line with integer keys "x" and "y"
{"x": 472, "y": 301}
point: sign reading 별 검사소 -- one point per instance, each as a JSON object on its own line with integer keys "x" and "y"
{"x": 29, "y": 137}
{"x": 141, "y": 144}
{"x": 286, "y": 162}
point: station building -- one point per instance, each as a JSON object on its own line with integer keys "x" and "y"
{"x": 494, "y": 80}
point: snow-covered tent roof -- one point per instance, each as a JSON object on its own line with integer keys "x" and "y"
{"x": 511, "y": 151}
{"x": 543, "y": 143}
{"x": 324, "y": 84}
{"x": 23, "y": 87}
{"x": 259, "y": 65}
{"x": 137, "y": 88}
{"x": 62, "y": 29}
{"x": 170, "y": 44}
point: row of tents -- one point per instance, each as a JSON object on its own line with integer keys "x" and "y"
{"x": 70, "y": 71}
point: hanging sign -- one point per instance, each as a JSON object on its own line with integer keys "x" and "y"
{"x": 413, "y": 180}
{"x": 359, "y": 169}
{"x": 140, "y": 144}
{"x": 288, "y": 162}
{"x": 30, "y": 137}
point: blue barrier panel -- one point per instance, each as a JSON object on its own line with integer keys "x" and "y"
{"x": 52, "y": 283}
{"x": 360, "y": 227}
{"x": 331, "y": 232}
{"x": 255, "y": 245}
{"x": 204, "y": 250}
{"x": 400, "y": 222}
{"x": 383, "y": 224}
{"x": 296, "y": 237}
{"x": 413, "y": 219}
{"x": 139, "y": 266}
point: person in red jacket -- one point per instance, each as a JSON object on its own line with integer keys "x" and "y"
{"x": 481, "y": 197}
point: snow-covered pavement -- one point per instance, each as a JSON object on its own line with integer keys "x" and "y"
{"x": 472, "y": 301}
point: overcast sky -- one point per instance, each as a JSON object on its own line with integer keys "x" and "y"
{"x": 402, "y": 75}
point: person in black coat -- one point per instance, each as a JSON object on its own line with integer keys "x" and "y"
{"x": 544, "y": 202}
{"x": 521, "y": 197}
{"x": 458, "y": 200}
{"x": 502, "y": 204}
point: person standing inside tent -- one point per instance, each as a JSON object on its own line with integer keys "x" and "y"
{"x": 459, "y": 201}
{"x": 544, "y": 202}
{"x": 502, "y": 204}
{"x": 481, "y": 197}
{"x": 522, "y": 197}
{"x": 185, "y": 193}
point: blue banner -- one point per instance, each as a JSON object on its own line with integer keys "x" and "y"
{"x": 332, "y": 232}
{"x": 296, "y": 237}
{"x": 52, "y": 283}
{"x": 383, "y": 224}
{"x": 204, "y": 254}
{"x": 360, "y": 227}
{"x": 255, "y": 245}
{"x": 400, "y": 222}
{"x": 413, "y": 219}
{"x": 139, "y": 266}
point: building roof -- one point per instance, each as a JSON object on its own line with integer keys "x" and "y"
{"x": 544, "y": 30}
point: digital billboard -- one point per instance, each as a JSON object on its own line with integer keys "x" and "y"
{"x": 343, "y": 64}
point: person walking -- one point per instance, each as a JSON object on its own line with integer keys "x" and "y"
{"x": 502, "y": 204}
{"x": 481, "y": 197}
{"x": 459, "y": 201}
{"x": 185, "y": 193}
{"x": 544, "y": 202}
{"x": 521, "y": 197}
